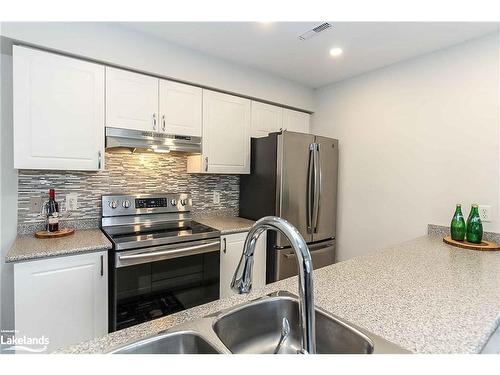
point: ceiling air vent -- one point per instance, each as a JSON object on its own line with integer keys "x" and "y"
{"x": 313, "y": 32}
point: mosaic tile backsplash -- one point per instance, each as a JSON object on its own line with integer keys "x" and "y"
{"x": 125, "y": 173}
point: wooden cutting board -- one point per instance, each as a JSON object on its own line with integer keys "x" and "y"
{"x": 483, "y": 246}
{"x": 59, "y": 233}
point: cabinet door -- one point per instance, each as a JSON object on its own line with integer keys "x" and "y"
{"x": 296, "y": 121}
{"x": 226, "y": 133}
{"x": 266, "y": 118}
{"x": 58, "y": 111}
{"x": 180, "y": 108}
{"x": 131, "y": 100}
{"x": 231, "y": 251}
{"x": 64, "y": 299}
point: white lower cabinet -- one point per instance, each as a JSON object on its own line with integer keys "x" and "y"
{"x": 231, "y": 251}
{"x": 64, "y": 299}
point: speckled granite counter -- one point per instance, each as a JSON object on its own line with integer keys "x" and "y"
{"x": 227, "y": 224}
{"x": 440, "y": 230}
{"x": 28, "y": 247}
{"x": 423, "y": 295}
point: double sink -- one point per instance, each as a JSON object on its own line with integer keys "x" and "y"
{"x": 256, "y": 327}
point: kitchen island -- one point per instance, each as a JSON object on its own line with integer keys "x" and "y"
{"x": 422, "y": 295}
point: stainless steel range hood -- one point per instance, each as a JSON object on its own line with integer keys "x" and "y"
{"x": 151, "y": 141}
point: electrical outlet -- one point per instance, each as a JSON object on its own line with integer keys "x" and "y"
{"x": 485, "y": 213}
{"x": 216, "y": 199}
{"x": 36, "y": 205}
{"x": 72, "y": 202}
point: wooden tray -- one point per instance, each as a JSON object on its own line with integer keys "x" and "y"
{"x": 59, "y": 233}
{"x": 483, "y": 246}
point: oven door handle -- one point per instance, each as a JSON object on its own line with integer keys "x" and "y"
{"x": 151, "y": 256}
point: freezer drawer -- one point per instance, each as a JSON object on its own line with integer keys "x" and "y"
{"x": 323, "y": 254}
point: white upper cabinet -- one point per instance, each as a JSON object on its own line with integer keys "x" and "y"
{"x": 141, "y": 102}
{"x": 58, "y": 111}
{"x": 180, "y": 108}
{"x": 266, "y": 118}
{"x": 296, "y": 121}
{"x": 226, "y": 135}
{"x": 62, "y": 105}
{"x": 131, "y": 100}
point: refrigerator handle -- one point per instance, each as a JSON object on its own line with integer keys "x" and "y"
{"x": 317, "y": 187}
{"x": 310, "y": 172}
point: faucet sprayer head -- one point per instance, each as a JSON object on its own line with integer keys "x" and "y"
{"x": 242, "y": 278}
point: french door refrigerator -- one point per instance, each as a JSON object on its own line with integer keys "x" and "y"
{"x": 293, "y": 176}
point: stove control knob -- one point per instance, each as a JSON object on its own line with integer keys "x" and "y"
{"x": 183, "y": 202}
{"x": 126, "y": 204}
{"x": 113, "y": 204}
{"x": 173, "y": 202}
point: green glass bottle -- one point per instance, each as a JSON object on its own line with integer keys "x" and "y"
{"x": 474, "y": 226}
{"x": 458, "y": 225}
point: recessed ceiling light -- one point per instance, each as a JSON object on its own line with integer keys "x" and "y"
{"x": 336, "y": 51}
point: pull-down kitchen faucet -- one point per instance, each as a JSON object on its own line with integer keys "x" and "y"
{"x": 242, "y": 279}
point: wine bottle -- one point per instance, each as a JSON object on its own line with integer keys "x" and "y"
{"x": 52, "y": 212}
{"x": 458, "y": 225}
{"x": 474, "y": 226}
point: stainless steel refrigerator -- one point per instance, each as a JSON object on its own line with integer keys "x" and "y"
{"x": 294, "y": 176}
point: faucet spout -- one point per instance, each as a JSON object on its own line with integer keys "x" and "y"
{"x": 242, "y": 279}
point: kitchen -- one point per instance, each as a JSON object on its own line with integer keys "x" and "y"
{"x": 161, "y": 183}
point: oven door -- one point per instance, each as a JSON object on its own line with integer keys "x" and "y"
{"x": 152, "y": 282}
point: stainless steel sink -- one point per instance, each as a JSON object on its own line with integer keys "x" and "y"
{"x": 173, "y": 343}
{"x": 256, "y": 327}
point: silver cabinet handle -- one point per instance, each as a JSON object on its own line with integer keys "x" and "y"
{"x": 102, "y": 265}
{"x": 163, "y": 126}
{"x": 99, "y": 158}
{"x": 206, "y": 164}
{"x": 225, "y": 246}
{"x": 154, "y": 121}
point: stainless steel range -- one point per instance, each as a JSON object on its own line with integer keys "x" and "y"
{"x": 162, "y": 261}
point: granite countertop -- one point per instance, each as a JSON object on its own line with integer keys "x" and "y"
{"x": 28, "y": 247}
{"x": 422, "y": 295}
{"x": 227, "y": 224}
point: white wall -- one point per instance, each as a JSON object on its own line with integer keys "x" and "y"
{"x": 8, "y": 194}
{"x": 414, "y": 139}
{"x": 116, "y": 45}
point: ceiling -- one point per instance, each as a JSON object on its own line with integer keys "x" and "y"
{"x": 275, "y": 47}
